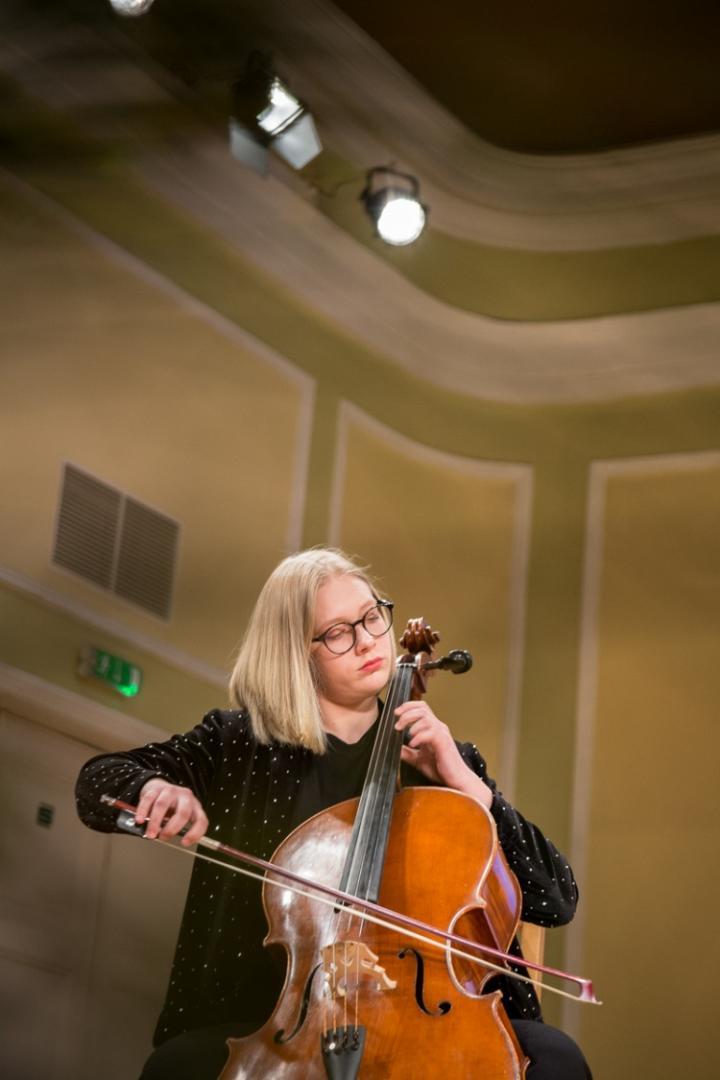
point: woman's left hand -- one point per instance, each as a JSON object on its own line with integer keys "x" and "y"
{"x": 432, "y": 750}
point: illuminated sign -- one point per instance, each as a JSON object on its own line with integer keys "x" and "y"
{"x": 120, "y": 674}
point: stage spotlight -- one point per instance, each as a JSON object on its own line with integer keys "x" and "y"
{"x": 131, "y": 7}
{"x": 282, "y": 109}
{"x": 266, "y": 114}
{"x": 392, "y": 199}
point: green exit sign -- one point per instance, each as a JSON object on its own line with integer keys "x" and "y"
{"x": 120, "y": 674}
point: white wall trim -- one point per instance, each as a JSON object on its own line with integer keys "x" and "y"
{"x": 345, "y": 414}
{"x": 601, "y": 472}
{"x": 168, "y": 654}
{"x": 522, "y": 475}
{"x": 230, "y": 330}
{"x": 301, "y": 470}
{"x": 71, "y": 714}
{"x": 520, "y": 559}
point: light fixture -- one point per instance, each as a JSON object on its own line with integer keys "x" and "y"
{"x": 267, "y": 115}
{"x": 392, "y": 199}
{"x": 282, "y": 109}
{"x": 131, "y": 7}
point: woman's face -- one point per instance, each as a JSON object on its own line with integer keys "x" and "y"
{"x": 359, "y": 674}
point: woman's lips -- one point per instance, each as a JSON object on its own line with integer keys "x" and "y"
{"x": 372, "y": 664}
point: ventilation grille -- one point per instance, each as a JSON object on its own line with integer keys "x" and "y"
{"x": 116, "y": 542}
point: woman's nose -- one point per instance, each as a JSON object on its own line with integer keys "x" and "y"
{"x": 363, "y": 639}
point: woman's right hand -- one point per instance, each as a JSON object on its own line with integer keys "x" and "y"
{"x": 176, "y": 806}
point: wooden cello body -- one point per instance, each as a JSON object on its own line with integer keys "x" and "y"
{"x": 422, "y": 1011}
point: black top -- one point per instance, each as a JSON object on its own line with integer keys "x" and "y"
{"x": 338, "y": 775}
{"x": 254, "y": 795}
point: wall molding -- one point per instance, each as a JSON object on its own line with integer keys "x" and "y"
{"x": 350, "y": 415}
{"x": 562, "y": 361}
{"x": 601, "y": 472}
{"x": 286, "y": 237}
{"x": 230, "y": 330}
{"x": 167, "y": 654}
{"x": 71, "y": 714}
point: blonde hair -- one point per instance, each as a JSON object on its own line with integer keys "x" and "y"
{"x": 273, "y": 677}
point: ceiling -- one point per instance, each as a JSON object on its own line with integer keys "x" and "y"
{"x": 552, "y": 269}
{"x": 570, "y": 76}
{"x": 573, "y": 76}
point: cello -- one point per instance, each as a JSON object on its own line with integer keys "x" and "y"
{"x": 357, "y": 1001}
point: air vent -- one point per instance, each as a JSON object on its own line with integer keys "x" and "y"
{"x": 87, "y": 527}
{"x": 116, "y": 542}
{"x": 146, "y": 557}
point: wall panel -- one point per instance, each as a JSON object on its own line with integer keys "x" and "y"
{"x": 393, "y": 502}
{"x": 646, "y": 787}
{"x": 128, "y": 378}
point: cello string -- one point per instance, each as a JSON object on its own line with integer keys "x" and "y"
{"x": 334, "y": 986}
{"x": 348, "y": 922}
{"x": 379, "y": 775}
{"x": 450, "y": 949}
{"x": 345, "y": 994}
{"x": 323, "y": 1010}
{"x": 357, "y": 985}
{"x": 380, "y": 761}
{"x": 367, "y": 810}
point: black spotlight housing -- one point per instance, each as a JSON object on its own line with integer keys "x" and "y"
{"x": 266, "y": 115}
{"x": 392, "y": 200}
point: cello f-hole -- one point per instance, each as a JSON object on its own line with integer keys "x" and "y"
{"x": 444, "y": 1007}
{"x": 279, "y": 1036}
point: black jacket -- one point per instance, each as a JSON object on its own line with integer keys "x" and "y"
{"x": 221, "y": 972}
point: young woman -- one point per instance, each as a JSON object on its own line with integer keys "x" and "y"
{"x": 316, "y": 656}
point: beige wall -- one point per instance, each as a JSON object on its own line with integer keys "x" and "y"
{"x": 392, "y": 501}
{"x": 646, "y": 790}
{"x": 167, "y": 365}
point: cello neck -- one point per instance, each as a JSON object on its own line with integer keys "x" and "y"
{"x": 366, "y": 854}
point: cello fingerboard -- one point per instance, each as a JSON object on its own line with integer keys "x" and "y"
{"x": 363, "y": 868}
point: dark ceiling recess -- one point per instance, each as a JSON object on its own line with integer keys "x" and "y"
{"x": 534, "y": 76}
{"x": 563, "y": 76}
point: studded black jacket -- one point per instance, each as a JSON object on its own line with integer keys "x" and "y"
{"x": 221, "y": 972}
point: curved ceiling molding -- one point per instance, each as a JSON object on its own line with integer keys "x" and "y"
{"x": 493, "y": 280}
{"x": 531, "y": 285}
{"x": 371, "y": 110}
{"x": 672, "y": 193}
{"x": 581, "y": 360}
{"x": 275, "y": 225}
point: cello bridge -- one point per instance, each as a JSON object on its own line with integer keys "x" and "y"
{"x": 348, "y": 963}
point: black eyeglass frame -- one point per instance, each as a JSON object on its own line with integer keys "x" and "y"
{"x": 387, "y": 605}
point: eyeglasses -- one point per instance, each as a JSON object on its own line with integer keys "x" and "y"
{"x": 341, "y": 637}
